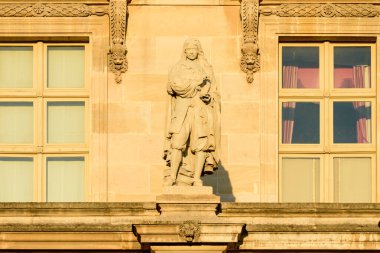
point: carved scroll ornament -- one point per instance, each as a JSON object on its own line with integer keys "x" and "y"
{"x": 117, "y": 61}
{"x": 49, "y": 10}
{"x": 250, "y": 59}
{"x": 323, "y": 10}
{"x": 189, "y": 230}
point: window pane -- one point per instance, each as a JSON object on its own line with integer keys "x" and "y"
{"x": 65, "y": 122}
{"x": 16, "y": 179}
{"x": 352, "y": 179}
{"x": 352, "y": 67}
{"x": 16, "y": 122}
{"x": 65, "y": 179}
{"x": 65, "y": 67}
{"x": 300, "y": 122}
{"x": 300, "y": 179}
{"x": 300, "y": 67}
{"x": 352, "y": 122}
{"x": 16, "y": 67}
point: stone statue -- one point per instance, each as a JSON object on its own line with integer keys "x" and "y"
{"x": 192, "y": 141}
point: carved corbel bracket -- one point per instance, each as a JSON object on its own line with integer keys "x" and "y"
{"x": 250, "y": 59}
{"x": 117, "y": 60}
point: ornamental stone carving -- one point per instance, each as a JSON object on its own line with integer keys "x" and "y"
{"x": 190, "y": 230}
{"x": 192, "y": 141}
{"x": 117, "y": 61}
{"x": 49, "y": 10}
{"x": 323, "y": 10}
{"x": 250, "y": 59}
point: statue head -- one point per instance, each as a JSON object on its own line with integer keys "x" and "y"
{"x": 192, "y": 49}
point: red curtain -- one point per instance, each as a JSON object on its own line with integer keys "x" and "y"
{"x": 361, "y": 79}
{"x": 289, "y": 80}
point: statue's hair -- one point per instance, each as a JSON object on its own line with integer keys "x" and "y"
{"x": 190, "y": 43}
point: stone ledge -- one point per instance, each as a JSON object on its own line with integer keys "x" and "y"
{"x": 311, "y": 228}
{"x": 81, "y": 209}
{"x": 299, "y": 209}
{"x": 65, "y": 228}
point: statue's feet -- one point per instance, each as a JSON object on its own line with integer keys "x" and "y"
{"x": 168, "y": 181}
{"x": 197, "y": 182}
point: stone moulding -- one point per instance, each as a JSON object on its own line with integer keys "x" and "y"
{"x": 188, "y": 231}
{"x": 322, "y": 10}
{"x": 48, "y": 227}
{"x": 50, "y": 10}
{"x": 250, "y": 59}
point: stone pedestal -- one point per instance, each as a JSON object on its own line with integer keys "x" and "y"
{"x": 188, "y": 223}
{"x": 189, "y": 201}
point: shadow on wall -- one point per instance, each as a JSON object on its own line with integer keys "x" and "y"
{"x": 221, "y": 184}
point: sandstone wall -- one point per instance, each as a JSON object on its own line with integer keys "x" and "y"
{"x": 137, "y": 107}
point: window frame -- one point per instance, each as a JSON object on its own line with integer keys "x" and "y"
{"x": 331, "y": 177}
{"x": 322, "y": 173}
{"x": 40, "y": 95}
{"x": 327, "y": 95}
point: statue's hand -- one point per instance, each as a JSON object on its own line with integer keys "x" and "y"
{"x": 206, "y": 98}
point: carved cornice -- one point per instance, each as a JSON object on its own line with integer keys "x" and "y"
{"x": 117, "y": 61}
{"x": 323, "y": 10}
{"x": 250, "y": 59}
{"x": 50, "y": 10}
{"x": 48, "y": 227}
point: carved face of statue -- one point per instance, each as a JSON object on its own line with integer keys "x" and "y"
{"x": 192, "y": 49}
{"x": 191, "y": 53}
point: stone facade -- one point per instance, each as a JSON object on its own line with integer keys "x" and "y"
{"x": 133, "y": 44}
{"x": 140, "y": 226}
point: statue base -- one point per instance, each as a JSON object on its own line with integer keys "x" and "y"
{"x": 191, "y": 201}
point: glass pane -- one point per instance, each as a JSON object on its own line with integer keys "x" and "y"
{"x": 65, "y": 67}
{"x": 300, "y": 67}
{"x": 300, "y": 179}
{"x": 352, "y": 179}
{"x": 16, "y": 123}
{"x": 16, "y": 179}
{"x": 352, "y": 122}
{"x": 352, "y": 67}
{"x": 16, "y": 67}
{"x": 300, "y": 122}
{"x": 65, "y": 122}
{"x": 65, "y": 179}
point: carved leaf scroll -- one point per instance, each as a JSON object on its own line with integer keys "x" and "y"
{"x": 324, "y": 10}
{"x": 48, "y": 10}
{"x": 117, "y": 61}
{"x": 250, "y": 59}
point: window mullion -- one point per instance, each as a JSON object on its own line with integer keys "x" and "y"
{"x": 39, "y": 181}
